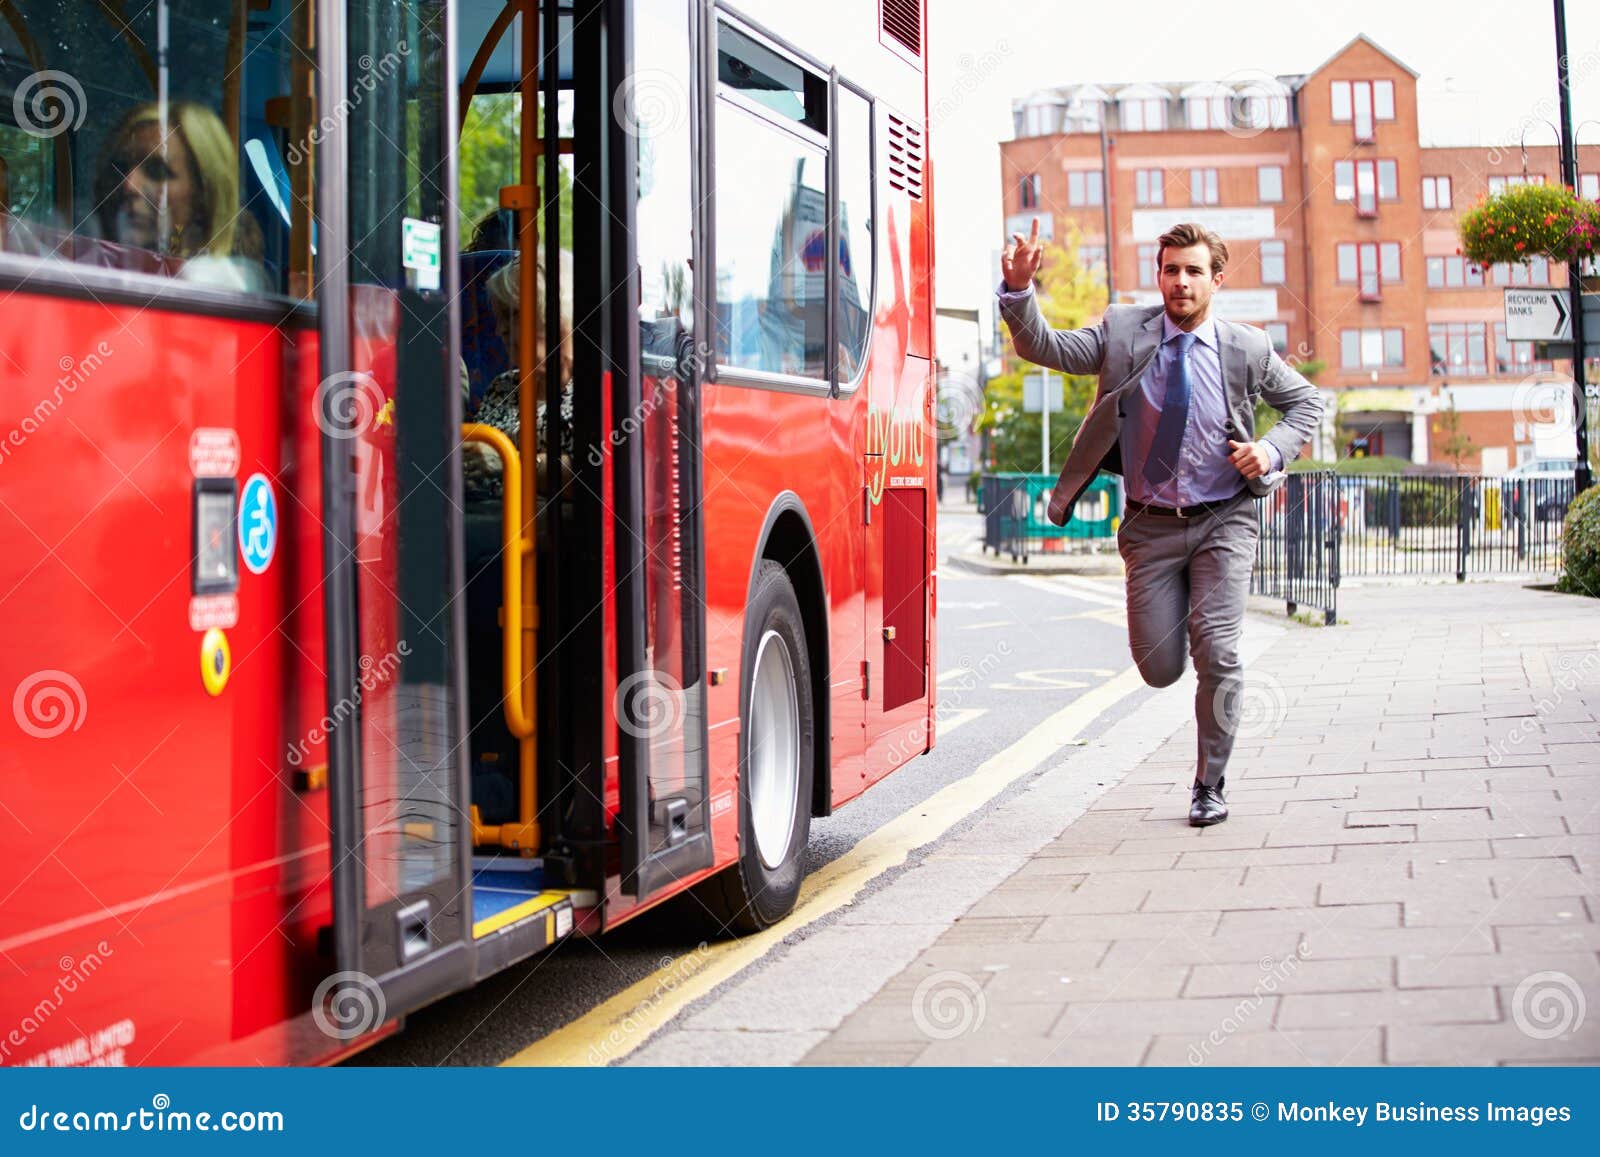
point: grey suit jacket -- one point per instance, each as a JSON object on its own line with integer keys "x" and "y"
{"x": 1120, "y": 348}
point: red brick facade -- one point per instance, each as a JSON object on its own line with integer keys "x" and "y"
{"x": 1401, "y": 335}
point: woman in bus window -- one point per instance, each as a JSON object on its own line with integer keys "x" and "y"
{"x": 170, "y": 185}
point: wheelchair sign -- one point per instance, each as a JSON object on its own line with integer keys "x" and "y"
{"x": 258, "y": 524}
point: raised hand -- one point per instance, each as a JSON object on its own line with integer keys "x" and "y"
{"x": 1021, "y": 258}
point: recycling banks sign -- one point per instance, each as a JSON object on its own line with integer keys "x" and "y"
{"x": 1538, "y": 315}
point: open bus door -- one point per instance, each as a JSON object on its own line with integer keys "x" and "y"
{"x": 387, "y": 410}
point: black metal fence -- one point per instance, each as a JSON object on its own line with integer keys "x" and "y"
{"x": 1320, "y": 526}
{"x": 1297, "y": 555}
{"x": 1456, "y": 524}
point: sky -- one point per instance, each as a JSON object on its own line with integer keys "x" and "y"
{"x": 1485, "y": 68}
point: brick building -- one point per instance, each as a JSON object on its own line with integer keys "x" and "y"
{"x": 1341, "y": 228}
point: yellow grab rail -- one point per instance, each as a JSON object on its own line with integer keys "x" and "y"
{"x": 518, "y": 619}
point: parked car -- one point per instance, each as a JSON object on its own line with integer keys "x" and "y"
{"x": 1548, "y": 482}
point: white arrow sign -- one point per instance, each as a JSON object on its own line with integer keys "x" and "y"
{"x": 1538, "y": 315}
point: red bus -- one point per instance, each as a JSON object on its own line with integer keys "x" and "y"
{"x": 333, "y": 691}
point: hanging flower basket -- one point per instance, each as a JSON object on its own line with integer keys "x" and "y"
{"x": 1529, "y": 221}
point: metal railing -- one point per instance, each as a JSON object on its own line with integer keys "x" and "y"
{"x": 1014, "y": 510}
{"x": 1456, "y": 524}
{"x": 1297, "y": 555}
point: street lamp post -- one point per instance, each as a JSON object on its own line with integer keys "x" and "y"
{"x": 1569, "y": 175}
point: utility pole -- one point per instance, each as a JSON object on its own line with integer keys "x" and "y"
{"x": 1105, "y": 210}
{"x": 1569, "y": 176}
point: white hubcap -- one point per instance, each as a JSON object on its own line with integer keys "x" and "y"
{"x": 774, "y": 749}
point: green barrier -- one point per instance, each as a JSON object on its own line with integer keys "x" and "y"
{"x": 1014, "y": 508}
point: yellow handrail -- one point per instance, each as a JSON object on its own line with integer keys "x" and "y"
{"x": 517, "y": 620}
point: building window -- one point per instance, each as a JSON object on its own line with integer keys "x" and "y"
{"x": 1362, "y": 349}
{"x": 1534, "y": 271}
{"x": 1388, "y": 181}
{"x": 1273, "y": 263}
{"x": 1269, "y": 184}
{"x": 1143, "y": 114}
{"x": 1093, "y": 259}
{"x": 1206, "y": 112}
{"x": 1369, "y": 264}
{"x": 1436, "y": 192}
{"x": 1589, "y": 186}
{"x": 1042, "y": 119}
{"x": 1202, "y": 186}
{"x": 1148, "y": 256}
{"x": 1453, "y": 273}
{"x": 1030, "y": 191}
{"x": 1361, "y": 102}
{"x": 1366, "y": 183}
{"x": 1085, "y": 188}
{"x": 1515, "y": 357}
{"x": 1279, "y": 333}
{"x": 1458, "y": 348}
{"x": 1498, "y": 185}
{"x": 1149, "y": 187}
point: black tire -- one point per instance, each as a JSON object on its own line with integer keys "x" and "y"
{"x": 748, "y": 895}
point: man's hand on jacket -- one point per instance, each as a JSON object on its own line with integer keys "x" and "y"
{"x": 1252, "y": 459}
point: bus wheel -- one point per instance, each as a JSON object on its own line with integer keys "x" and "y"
{"x": 776, "y": 749}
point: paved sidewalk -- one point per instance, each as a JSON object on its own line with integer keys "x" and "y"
{"x": 1407, "y": 877}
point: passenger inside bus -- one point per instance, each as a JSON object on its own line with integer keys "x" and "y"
{"x": 494, "y": 750}
{"x": 168, "y": 183}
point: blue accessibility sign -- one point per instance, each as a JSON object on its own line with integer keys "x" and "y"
{"x": 258, "y": 524}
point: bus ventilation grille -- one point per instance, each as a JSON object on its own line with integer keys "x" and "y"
{"x": 902, "y": 19}
{"x": 905, "y": 157}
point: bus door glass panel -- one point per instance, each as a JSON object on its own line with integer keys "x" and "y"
{"x": 665, "y": 703}
{"x": 400, "y": 411}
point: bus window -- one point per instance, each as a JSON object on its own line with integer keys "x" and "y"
{"x": 854, "y": 161}
{"x": 771, "y": 224}
{"x": 160, "y": 139}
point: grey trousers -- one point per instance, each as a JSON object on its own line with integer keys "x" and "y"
{"x": 1187, "y": 579}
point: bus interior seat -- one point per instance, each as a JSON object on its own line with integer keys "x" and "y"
{"x": 481, "y": 348}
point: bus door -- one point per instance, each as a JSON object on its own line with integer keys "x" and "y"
{"x": 658, "y": 82}
{"x": 388, "y": 405}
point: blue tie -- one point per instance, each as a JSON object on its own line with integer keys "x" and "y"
{"x": 1162, "y": 464}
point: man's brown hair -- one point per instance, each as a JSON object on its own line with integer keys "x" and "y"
{"x": 1187, "y": 234}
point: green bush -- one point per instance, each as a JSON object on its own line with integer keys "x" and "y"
{"x": 1580, "y": 543}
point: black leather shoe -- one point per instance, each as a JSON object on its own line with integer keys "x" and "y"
{"x": 1207, "y": 806}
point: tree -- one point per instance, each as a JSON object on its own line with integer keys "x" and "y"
{"x": 488, "y": 157}
{"x": 1454, "y": 443}
{"x": 1070, "y": 297}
